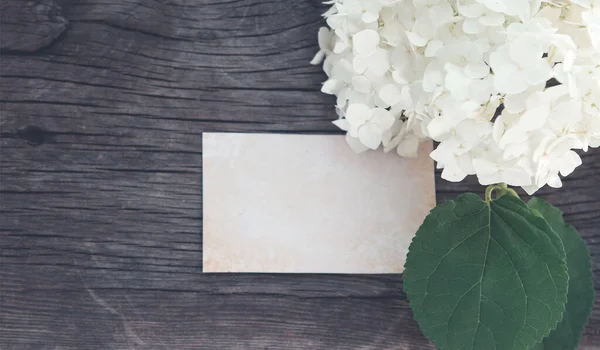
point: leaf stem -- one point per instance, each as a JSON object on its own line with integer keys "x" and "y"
{"x": 500, "y": 189}
{"x": 512, "y": 192}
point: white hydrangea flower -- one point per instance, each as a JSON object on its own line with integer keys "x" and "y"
{"x": 509, "y": 88}
{"x": 367, "y": 124}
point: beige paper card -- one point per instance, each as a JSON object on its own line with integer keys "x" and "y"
{"x": 308, "y": 203}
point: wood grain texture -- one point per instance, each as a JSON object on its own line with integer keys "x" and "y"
{"x": 27, "y": 26}
{"x": 101, "y": 123}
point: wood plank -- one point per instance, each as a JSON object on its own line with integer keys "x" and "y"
{"x": 101, "y": 182}
{"x": 30, "y": 26}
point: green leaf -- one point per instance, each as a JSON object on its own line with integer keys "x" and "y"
{"x": 486, "y": 275}
{"x": 580, "y": 296}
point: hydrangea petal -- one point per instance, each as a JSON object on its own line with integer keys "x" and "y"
{"x": 355, "y": 144}
{"x": 332, "y": 86}
{"x": 390, "y": 94}
{"x": 362, "y": 84}
{"x": 379, "y": 62}
{"x": 360, "y": 64}
{"x": 507, "y": 79}
{"x": 342, "y": 124}
{"x": 492, "y": 19}
{"x": 416, "y": 39}
{"x": 408, "y": 147}
{"x": 453, "y": 174}
{"x": 569, "y": 162}
{"x": 477, "y": 70}
{"x": 382, "y": 118}
{"x": 541, "y": 73}
{"x": 472, "y": 26}
{"x": 433, "y": 47}
{"x": 526, "y": 50}
{"x": 370, "y": 135}
{"x": 517, "y": 177}
{"x": 324, "y": 38}
{"x": 369, "y": 17}
{"x": 318, "y": 58}
{"x": 365, "y": 42}
{"x": 474, "y": 10}
{"x": 357, "y": 115}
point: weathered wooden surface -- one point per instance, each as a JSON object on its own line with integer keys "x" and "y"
{"x": 102, "y": 107}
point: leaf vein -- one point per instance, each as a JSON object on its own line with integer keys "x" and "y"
{"x": 487, "y": 249}
{"x": 448, "y": 253}
{"x": 520, "y": 281}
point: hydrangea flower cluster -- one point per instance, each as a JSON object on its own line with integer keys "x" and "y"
{"x": 509, "y": 88}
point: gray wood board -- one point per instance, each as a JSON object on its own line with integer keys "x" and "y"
{"x": 102, "y": 108}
